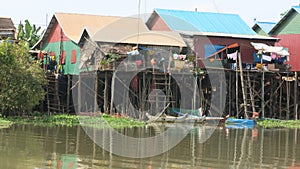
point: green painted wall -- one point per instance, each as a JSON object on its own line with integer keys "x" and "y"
{"x": 290, "y": 26}
{"x": 68, "y": 46}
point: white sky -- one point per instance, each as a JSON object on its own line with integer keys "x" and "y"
{"x": 37, "y": 10}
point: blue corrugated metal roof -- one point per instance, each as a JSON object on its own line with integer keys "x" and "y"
{"x": 266, "y": 26}
{"x": 204, "y": 21}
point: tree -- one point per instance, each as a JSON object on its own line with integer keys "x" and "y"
{"x": 21, "y": 80}
{"x": 28, "y": 34}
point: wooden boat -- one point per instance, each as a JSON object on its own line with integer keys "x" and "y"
{"x": 239, "y": 123}
{"x": 166, "y": 118}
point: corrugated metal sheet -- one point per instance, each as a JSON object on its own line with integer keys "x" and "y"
{"x": 6, "y": 23}
{"x": 265, "y": 26}
{"x": 204, "y": 21}
{"x": 163, "y": 38}
{"x": 73, "y": 24}
{"x": 291, "y": 42}
{"x": 238, "y": 36}
{"x": 289, "y": 23}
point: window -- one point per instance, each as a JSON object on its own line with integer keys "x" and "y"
{"x": 73, "y": 56}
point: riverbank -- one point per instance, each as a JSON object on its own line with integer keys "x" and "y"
{"x": 276, "y": 123}
{"x": 73, "y": 120}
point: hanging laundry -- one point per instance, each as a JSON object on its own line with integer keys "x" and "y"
{"x": 175, "y": 56}
{"x": 273, "y": 56}
{"x": 182, "y": 57}
{"x": 232, "y": 55}
{"x": 266, "y": 57}
{"x": 134, "y": 52}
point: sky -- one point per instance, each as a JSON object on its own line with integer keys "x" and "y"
{"x": 39, "y": 12}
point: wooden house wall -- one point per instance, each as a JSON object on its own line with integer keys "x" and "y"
{"x": 157, "y": 24}
{"x": 292, "y": 42}
{"x": 59, "y": 43}
{"x": 246, "y": 48}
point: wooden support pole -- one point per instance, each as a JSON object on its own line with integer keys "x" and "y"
{"x": 296, "y": 96}
{"x": 262, "y": 88}
{"x": 287, "y": 100}
{"x": 57, "y": 95}
{"x": 237, "y": 91}
{"x": 243, "y": 86}
{"x": 68, "y": 94}
{"x": 96, "y": 93}
{"x": 105, "y": 93}
{"x": 79, "y": 94}
{"x": 280, "y": 102}
{"x": 112, "y": 93}
{"x": 230, "y": 92}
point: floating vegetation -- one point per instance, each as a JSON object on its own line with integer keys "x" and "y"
{"x": 4, "y": 123}
{"x": 74, "y": 120}
{"x": 275, "y": 123}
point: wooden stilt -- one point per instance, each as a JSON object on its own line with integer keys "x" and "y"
{"x": 287, "y": 100}
{"x": 96, "y": 93}
{"x": 296, "y": 96}
{"x": 243, "y": 86}
{"x": 112, "y": 95}
{"x": 68, "y": 94}
{"x": 280, "y": 102}
{"x": 79, "y": 93}
{"x": 106, "y": 94}
{"x": 237, "y": 91}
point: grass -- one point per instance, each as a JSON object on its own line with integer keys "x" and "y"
{"x": 274, "y": 123}
{"x": 74, "y": 120}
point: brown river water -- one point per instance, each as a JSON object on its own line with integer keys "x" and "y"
{"x": 61, "y": 147}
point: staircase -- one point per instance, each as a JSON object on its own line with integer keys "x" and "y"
{"x": 161, "y": 93}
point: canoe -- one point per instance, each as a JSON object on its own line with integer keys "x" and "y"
{"x": 166, "y": 118}
{"x": 240, "y": 121}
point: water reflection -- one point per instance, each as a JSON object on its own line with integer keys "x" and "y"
{"x": 28, "y": 146}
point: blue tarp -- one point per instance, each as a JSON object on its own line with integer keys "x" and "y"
{"x": 210, "y": 49}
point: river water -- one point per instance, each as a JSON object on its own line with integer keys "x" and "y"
{"x": 34, "y": 147}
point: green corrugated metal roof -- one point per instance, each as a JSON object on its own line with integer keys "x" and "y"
{"x": 289, "y": 23}
{"x": 204, "y": 22}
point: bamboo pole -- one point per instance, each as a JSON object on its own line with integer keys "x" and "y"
{"x": 237, "y": 90}
{"x": 243, "y": 86}
{"x": 68, "y": 94}
{"x": 230, "y": 92}
{"x": 296, "y": 96}
{"x": 287, "y": 100}
{"x": 112, "y": 93}
{"x": 96, "y": 93}
{"x": 280, "y": 102}
{"x": 105, "y": 93}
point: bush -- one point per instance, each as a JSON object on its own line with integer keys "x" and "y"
{"x": 21, "y": 80}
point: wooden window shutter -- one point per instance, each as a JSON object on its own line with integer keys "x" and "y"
{"x": 73, "y": 56}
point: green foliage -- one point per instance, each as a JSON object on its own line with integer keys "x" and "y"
{"x": 28, "y": 34}
{"x": 21, "y": 80}
{"x": 274, "y": 123}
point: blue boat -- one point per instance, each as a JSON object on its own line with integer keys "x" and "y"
{"x": 239, "y": 123}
